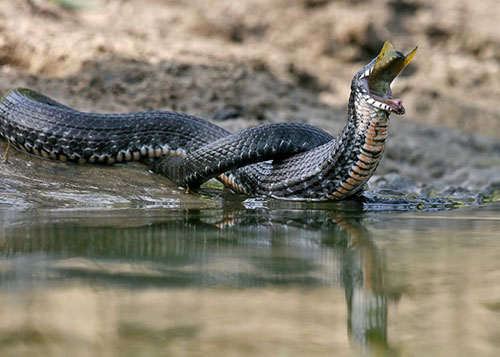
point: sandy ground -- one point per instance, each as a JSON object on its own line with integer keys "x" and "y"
{"x": 242, "y": 63}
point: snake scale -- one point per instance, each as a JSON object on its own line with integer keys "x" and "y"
{"x": 284, "y": 160}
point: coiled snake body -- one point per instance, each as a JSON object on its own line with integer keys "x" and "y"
{"x": 284, "y": 160}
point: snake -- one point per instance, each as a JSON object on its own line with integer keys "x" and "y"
{"x": 281, "y": 160}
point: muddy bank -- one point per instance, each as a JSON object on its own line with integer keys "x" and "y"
{"x": 246, "y": 63}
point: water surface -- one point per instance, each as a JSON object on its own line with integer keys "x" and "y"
{"x": 253, "y": 278}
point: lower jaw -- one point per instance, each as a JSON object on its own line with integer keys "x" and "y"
{"x": 395, "y": 104}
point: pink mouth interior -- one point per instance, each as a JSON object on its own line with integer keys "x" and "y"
{"x": 395, "y": 103}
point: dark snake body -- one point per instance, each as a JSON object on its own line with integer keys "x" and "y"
{"x": 285, "y": 160}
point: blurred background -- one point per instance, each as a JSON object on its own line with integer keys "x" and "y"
{"x": 242, "y": 63}
{"x": 118, "y": 261}
{"x": 315, "y": 44}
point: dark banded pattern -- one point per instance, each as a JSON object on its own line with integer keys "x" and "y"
{"x": 369, "y": 156}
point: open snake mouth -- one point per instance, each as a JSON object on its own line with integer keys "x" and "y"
{"x": 377, "y": 80}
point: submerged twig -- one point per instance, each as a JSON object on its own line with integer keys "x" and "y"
{"x": 6, "y": 155}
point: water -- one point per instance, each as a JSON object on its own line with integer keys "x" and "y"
{"x": 250, "y": 278}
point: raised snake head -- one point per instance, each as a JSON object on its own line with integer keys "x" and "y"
{"x": 374, "y": 80}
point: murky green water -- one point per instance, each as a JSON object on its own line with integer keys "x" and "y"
{"x": 269, "y": 279}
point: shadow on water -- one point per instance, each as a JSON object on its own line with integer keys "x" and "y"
{"x": 192, "y": 249}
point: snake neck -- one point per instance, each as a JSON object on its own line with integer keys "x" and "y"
{"x": 359, "y": 147}
{"x": 334, "y": 170}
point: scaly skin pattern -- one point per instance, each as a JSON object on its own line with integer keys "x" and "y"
{"x": 289, "y": 161}
{"x": 333, "y": 170}
{"x": 347, "y": 162}
{"x": 41, "y": 126}
{"x": 257, "y": 144}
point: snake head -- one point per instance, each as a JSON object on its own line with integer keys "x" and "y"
{"x": 375, "y": 78}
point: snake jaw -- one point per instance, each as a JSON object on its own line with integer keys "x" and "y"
{"x": 377, "y": 78}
